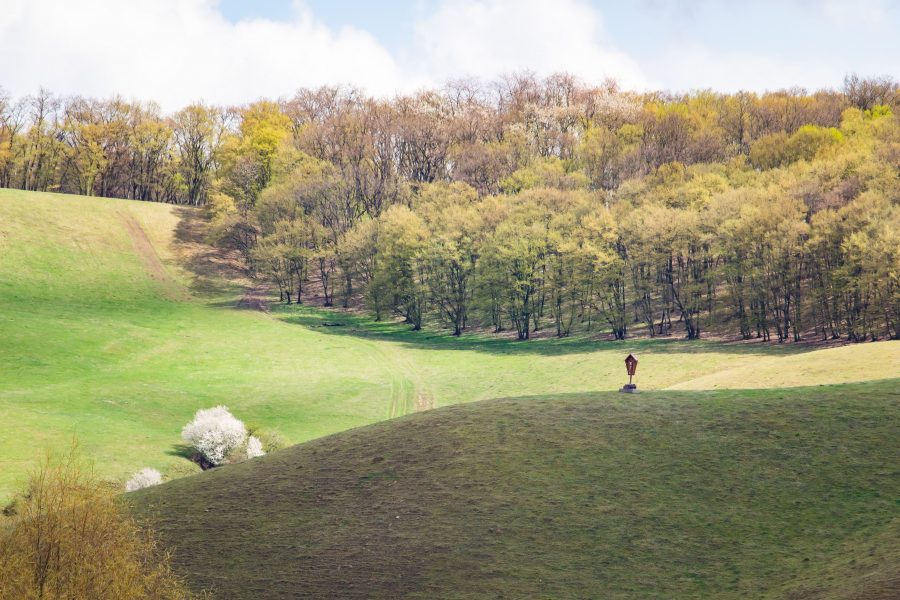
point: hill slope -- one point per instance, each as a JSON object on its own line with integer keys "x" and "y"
{"x": 110, "y": 333}
{"x": 786, "y": 493}
{"x": 831, "y": 365}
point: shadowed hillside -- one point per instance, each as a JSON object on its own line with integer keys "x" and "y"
{"x": 778, "y": 493}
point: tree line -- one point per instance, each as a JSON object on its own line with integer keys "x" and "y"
{"x": 524, "y": 204}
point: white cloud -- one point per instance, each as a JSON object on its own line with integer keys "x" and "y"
{"x": 686, "y": 67}
{"x": 490, "y": 37}
{"x": 872, "y": 13}
{"x": 178, "y": 51}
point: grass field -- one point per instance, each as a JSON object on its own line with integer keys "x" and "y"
{"x": 115, "y": 328}
{"x": 726, "y": 494}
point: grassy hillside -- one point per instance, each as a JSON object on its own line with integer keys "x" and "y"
{"x": 95, "y": 342}
{"x": 831, "y": 365}
{"x": 116, "y": 325}
{"x": 733, "y": 494}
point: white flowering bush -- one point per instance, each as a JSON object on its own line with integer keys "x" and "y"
{"x": 215, "y": 433}
{"x": 254, "y": 447}
{"x": 142, "y": 479}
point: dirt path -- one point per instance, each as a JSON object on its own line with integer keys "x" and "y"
{"x": 149, "y": 258}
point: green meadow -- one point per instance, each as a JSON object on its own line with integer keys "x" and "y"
{"x": 116, "y": 326}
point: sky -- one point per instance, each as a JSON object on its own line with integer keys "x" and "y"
{"x": 176, "y": 52}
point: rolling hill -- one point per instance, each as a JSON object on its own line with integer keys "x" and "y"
{"x": 733, "y": 494}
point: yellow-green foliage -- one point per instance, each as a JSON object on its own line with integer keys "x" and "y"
{"x": 733, "y": 248}
{"x": 551, "y": 172}
{"x": 778, "y": 149}
{"x": 70, "y": 537}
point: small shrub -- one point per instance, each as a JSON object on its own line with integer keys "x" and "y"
{"x": 12, "y": 507}
{"x": 215, "y": 433}
{"x": 254, "y": 447}
{"x": 144, "y": 478}
{"x": 182, "y": 468}
{"x": 271, "y": 440}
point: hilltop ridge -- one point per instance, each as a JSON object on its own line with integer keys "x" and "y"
{"x": 764, "y": 494}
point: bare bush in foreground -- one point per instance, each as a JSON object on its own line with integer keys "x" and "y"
{"x": 70, "y": 537}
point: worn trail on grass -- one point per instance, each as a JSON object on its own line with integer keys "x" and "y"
{"x": 143, "y": 247}
{"x": 409, "y": 391}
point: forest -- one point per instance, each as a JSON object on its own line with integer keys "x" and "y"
{"x": 522, "y": 205}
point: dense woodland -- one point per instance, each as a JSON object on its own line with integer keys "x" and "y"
{"x": 523, "y": 205}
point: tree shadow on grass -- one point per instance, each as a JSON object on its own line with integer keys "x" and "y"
{"x": 215, "y": 271}
{"x": 182, "y": 451}
{"x": 344, "y": 323}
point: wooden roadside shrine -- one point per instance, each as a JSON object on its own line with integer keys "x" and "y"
{"x": 631, "y": 363}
